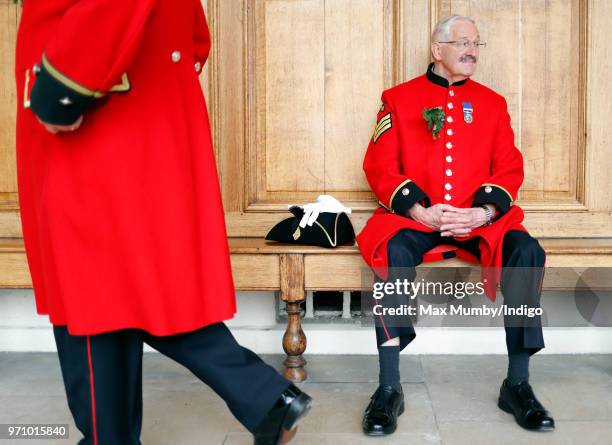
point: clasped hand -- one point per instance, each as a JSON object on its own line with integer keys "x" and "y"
{"x": 449, "y": 220}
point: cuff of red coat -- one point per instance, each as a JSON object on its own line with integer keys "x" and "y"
{"x": 54, "y": 102}
{"x": 493, "y": 194}
{"x": 405, "y": 196}
{"x": 57, "y": 99}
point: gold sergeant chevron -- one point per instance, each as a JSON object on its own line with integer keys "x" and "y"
{"x": 383, "y": 125}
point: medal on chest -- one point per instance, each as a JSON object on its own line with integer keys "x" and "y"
{"x": 468, "y": 111}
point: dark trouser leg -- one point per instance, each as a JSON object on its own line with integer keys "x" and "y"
{"x": 394, "y": 332}
{"x": 405, "y": 251}
{"x": 103, "y": 379}
{"x": 521, "y": 282}
{"x": 248, "y": 385}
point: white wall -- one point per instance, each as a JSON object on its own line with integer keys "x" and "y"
{"x": 255, "y": 327}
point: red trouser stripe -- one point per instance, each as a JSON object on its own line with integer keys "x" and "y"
{"x": 93, "y": 393}
{"x": 385, "y": 327}
{"x": 382, "y": 320}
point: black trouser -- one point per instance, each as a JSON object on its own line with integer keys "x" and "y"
{"x": 103, "y": 378}
{"x": 521, "y": 283}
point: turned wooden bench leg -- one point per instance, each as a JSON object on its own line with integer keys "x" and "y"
{"x": 292, "y": 293}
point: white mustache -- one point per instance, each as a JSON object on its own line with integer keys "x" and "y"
{"x": 466, "y": 58}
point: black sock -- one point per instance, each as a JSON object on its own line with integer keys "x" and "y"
{"x": 388, "y": 359}
{"x": 518, "y": 367}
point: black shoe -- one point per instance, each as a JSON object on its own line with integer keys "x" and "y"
{"x": 520, "y": 401}
{"x": 380, "y": 417}
{"x": 280, "y": 424}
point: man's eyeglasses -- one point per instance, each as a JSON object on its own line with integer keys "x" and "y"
{"x": 465, "y": 43}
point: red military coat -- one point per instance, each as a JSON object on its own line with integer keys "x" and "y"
{"x": 473, "y": 161}
{"x": 122, "y": 219}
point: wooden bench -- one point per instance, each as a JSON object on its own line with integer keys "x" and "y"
{"x": 293, "y": 270}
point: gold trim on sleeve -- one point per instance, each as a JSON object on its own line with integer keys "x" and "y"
{"x": 123, "y": 86}
{"x": 385, "y": 207}
{"x": 397, "y": 190}
{"x": 66, "y": 81}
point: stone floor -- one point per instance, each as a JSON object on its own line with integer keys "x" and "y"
{"x": 449, "y": 400}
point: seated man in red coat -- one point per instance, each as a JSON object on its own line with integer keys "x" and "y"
{"x": 443, "y": 164}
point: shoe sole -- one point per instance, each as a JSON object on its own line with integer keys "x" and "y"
{"x": 506, "y": 408}
{"x": 298, "y": 409}
{"x": 388, "y": 432}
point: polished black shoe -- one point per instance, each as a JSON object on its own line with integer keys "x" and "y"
{"x": 520, "y": 401}
{"x": 380, "y": 417}
{"x": 280, "y": 424}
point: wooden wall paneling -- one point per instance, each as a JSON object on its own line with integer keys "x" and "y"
{"x": 599, "y": 93}
{"x": 533, "y": 59}
{"x": 579, "y": 104}
{"x": 9, "y": 218}
{"x": 290, "y": 39}
{"x": 355, "y": 53}
{"x": 9, "y": 17}
{"x": 10, "y": 223}
{"x": 413, "y": 37}
{"x": 551, "y": 57}
{"x": 14, "y": 271}
{"x": 229, "y": 67}
{"x": 560, "y": 64}
{"x": 571, "y": 224}
{"x": 353, "y": 62}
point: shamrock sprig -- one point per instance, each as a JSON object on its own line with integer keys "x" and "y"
{"x": 435, "y": 120}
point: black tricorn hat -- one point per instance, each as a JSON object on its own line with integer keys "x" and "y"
{"x": 329, "y": 229}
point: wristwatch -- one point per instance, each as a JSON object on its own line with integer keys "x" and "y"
{"x": 489, "y": 215}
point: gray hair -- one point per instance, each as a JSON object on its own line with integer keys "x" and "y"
{"x": 442, "y": 29}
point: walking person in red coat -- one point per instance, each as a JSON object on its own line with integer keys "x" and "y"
{"x": 443, "y": 164}
{"x": 122, "y": 216}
